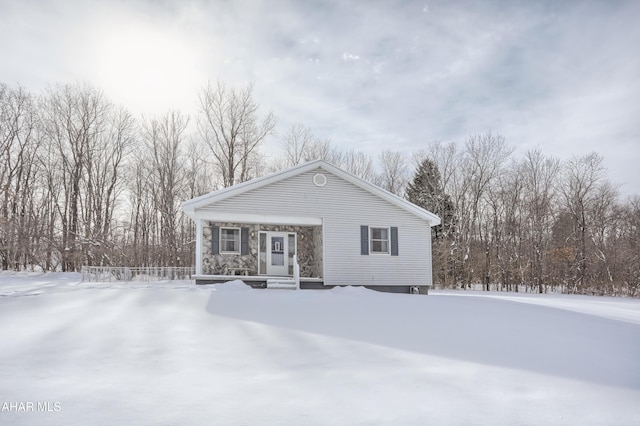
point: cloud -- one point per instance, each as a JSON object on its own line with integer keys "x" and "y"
{"x": 561, "y": 76}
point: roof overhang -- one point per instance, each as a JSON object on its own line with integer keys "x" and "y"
{"x": 256, "y": 218}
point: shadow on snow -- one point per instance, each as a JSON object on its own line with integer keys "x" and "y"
{"x": 474, "y": 329}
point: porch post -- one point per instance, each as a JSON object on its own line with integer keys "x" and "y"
{"x": 199, "y": 237}
{"x": 323, "y": 273}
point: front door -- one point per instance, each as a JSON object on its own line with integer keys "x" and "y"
{"x": 279, "y": 251}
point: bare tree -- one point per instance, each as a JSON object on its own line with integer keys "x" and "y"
{"x": 19, "y": 144}
{"x": 504, "y": 258}
{"x": 142, "y": 213}
{"x": 395, "y": 172}
{"x": 164, "y": 138}
{"x": 602, "y": 238}
{"x": 359, "y": 164}
{"x": 298, "y": 141}
{"x": 323, "y": 150}
{"x": 200, "y": 180}
{"x": 50, "y": 190}
{"x": 228, "y": 123}
{"x": 299, "y": 145}
{"x": 467, "y": 177}
{"x": 484, "y": 156}
{"x": 583, "y": 175}
{"x": 103, "y": 184}
{"x": 628, "y": 243}
{"x": 74, "y": 117}
{"x": 540, "y": 174}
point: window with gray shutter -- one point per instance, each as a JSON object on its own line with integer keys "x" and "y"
{"x": 215, "y": 239}
{"x": 364, "y": 240}
{"x": 394, "y": 241}
{"x": 244, "y": 241}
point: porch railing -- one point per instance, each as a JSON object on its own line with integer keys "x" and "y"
{"x": 140, "y": 274}
{"x": 296, "y": 272}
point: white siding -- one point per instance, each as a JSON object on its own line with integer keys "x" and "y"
{"x": 344, "y": 207}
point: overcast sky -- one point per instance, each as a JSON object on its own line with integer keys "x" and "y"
{"x": 562, "y": 76}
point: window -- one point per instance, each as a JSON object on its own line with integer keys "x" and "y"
{"x": 319, "y": 179}
{"x": 229, "y": 240}
{"x": 379, "y": 240}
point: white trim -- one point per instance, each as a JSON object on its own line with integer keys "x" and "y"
{"x": 266, "y": 240}
{"x": 252, "y": 218}
{"x": 324, "y": 254}
{"x": 199, "y": 240}
{"x": 380, "y": 253}
{"x": 233, "y": 228}
{"x": 295, "y": 251}
{"x": 285, "y": 235}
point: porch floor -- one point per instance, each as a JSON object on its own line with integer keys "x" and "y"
{"x": 259, "y": 281}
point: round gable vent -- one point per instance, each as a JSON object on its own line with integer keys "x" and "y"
{"x": 319, "y": 179}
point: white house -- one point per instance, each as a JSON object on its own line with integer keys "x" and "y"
{"x": 314, "y": 225}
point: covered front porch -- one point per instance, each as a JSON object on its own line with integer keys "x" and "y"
{"x": 258, "y": 253}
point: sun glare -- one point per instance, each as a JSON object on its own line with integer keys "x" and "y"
{"x": 148, "y": 71}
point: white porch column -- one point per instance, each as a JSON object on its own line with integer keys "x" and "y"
{"x": 323, "y": 273}
{"x": 199, "y": 237}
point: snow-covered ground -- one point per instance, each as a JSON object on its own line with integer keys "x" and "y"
{"x": 174, "y": 353}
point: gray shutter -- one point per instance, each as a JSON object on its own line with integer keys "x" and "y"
{"x": 394, "y": 241}
{"x": 364, "y": 240}
{"x": 244, "y": 241}
{"x": 215, "y": 239}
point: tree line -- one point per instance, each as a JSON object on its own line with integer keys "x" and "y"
{"x": 84, "y": 182}
{"x": 534, "y": 223}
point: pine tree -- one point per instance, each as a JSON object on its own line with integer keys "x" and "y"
{"x": 426, "y": 191}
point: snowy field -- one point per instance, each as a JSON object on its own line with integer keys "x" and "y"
{"x": 176, "y": 354}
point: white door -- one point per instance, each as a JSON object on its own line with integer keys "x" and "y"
{"x": 278, "y": 253}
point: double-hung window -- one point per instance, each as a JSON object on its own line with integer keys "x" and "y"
{"x": 229, "y": 240}
{"x": 379, "y": 240}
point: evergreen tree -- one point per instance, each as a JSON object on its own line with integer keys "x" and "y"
{"x": 426, "y": 191}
